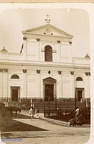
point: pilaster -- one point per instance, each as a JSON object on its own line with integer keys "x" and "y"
{"x": 72, "y": 85}
{"x": 58, "y": 51}
{"x": 70, "y": 56}
{"x": 59, "y": 84}
{"x": 38, "y": 83}
{"x": 25, "y": 47}
{"x": 24, "y": 83}
{"x": 38, "y": 49}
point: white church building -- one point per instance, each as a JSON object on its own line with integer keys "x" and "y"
{"x": 44, "y": 69}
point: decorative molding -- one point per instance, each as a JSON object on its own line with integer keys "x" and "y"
{"x": 58, "y": 41}
{"x": 38, "y": 71}
{"x": 4, "y": 50}
{"x": 87, "y": 56}
{"x": 87, "y": 73}
{"x": 72, "y": 72}
{"x": 49, "y": 72}
{"x": 24, "y": 38}
{"x": 70, "y": 42}
{"x": 49, "y": 80}
{"x": 59, "y": 72}
{"x": 5, "y": 70}
{"x": 24, "y": 70}
{"x": 38, "y": 39}
{"x": 1, "y": 70}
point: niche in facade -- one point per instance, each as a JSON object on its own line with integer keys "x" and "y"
{"x": 48, "y": 53}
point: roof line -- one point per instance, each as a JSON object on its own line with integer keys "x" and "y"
{"x": 39, "y": 27}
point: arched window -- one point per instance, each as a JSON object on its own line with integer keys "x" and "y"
{"x": 48, "y": 53}
{"x": 79, "y": 79}
{"x": 14, "y": 76}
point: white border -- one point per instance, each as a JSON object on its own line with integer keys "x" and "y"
{"x": 89, "y": 7}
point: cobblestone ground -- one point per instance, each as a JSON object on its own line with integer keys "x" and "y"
{"x": 55, "y": 134}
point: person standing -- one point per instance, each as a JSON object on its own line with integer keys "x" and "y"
{"x": 77, "y": 112}
{"x": 31, "y": 112}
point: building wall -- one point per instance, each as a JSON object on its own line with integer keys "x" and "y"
{"x": 31, "y": 82}
{"x": 34, "y": 50}
{"x": 32, "y": 69}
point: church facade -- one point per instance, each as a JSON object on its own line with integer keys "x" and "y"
{"x": 44, "y": 70}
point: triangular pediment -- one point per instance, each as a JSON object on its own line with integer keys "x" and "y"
{"x": 48, "y": 30}
{"x": 49, "y": 80}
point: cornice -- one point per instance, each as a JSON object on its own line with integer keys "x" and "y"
{"x": 47, "y": 64}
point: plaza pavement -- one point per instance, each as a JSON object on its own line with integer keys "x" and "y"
{"x": 54, "y": 134}
{"x": 53, "y": 121}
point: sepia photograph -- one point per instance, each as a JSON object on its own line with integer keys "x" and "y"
{"x": 45, "y": 75}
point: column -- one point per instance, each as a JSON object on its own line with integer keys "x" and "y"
{"x": 59, "y": 51}
{"x": 24, "y": 83}
{"x": 38, "y": 84}
{"x": 25, "y": 48}
{"x": 72, "y": 88}
{"x": 72, "y": 85}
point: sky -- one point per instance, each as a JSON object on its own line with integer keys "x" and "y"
{"x": 72, "y": 21}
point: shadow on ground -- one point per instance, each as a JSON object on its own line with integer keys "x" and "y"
{"x": 19, "y": 126}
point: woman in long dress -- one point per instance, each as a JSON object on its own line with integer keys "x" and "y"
{"x": 31, "y": 112}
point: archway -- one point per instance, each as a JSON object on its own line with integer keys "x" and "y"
{"x": 50, "y": 101}
{"x": 48, "y": 53}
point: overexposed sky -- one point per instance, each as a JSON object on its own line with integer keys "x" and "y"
{"x": 72, "y": 21}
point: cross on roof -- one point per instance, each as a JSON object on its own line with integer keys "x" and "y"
{"x": 47, "y": 19}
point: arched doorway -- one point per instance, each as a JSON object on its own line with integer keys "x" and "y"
{"x": 50, "y": 101}
{"x": 48, "y": 53}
